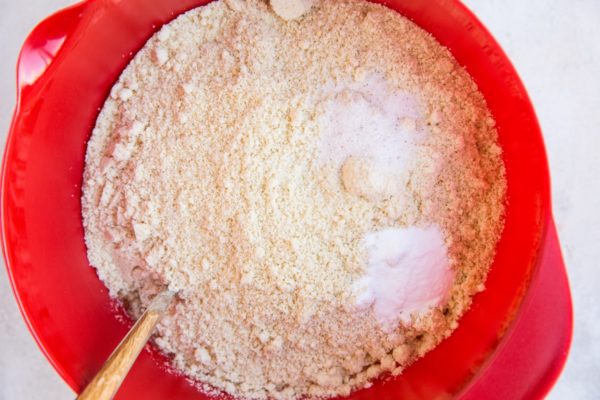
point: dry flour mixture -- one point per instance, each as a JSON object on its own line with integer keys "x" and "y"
{"x": 324, "y": 193}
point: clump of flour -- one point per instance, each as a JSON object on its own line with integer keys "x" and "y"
{"x": 288, "y": 179}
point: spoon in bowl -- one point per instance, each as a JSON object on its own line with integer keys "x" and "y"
{"x": 107, "y": 381}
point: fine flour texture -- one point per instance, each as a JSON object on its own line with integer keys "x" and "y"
{"x": 291, "y": 180}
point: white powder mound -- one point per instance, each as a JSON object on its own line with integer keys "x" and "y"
{"x": 371, "y": 120}
{"x": 370, "y": 131}
{"x": 264, "y": 169}
{"x": 407, "y": 273}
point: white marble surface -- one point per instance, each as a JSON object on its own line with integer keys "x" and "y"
{"x": 555, "y": 46}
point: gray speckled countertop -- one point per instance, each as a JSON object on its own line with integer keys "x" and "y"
{"x": 554, "y": 46}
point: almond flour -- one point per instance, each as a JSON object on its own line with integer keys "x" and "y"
{"x": 242, "y": 159}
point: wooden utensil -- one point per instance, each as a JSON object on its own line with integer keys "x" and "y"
{"x": 105, "y": 384}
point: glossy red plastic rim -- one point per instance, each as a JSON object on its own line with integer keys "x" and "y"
{"x": 65, "y": 69}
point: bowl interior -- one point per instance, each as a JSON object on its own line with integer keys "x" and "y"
{"x": 66, "y": 69}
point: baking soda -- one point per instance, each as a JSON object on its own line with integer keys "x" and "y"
{"x": 408, "y": 272}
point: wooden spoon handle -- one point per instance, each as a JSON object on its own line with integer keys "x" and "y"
{"x": 105, "y": 384}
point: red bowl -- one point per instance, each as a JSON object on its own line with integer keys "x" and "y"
{"x": 511, "y": 344}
